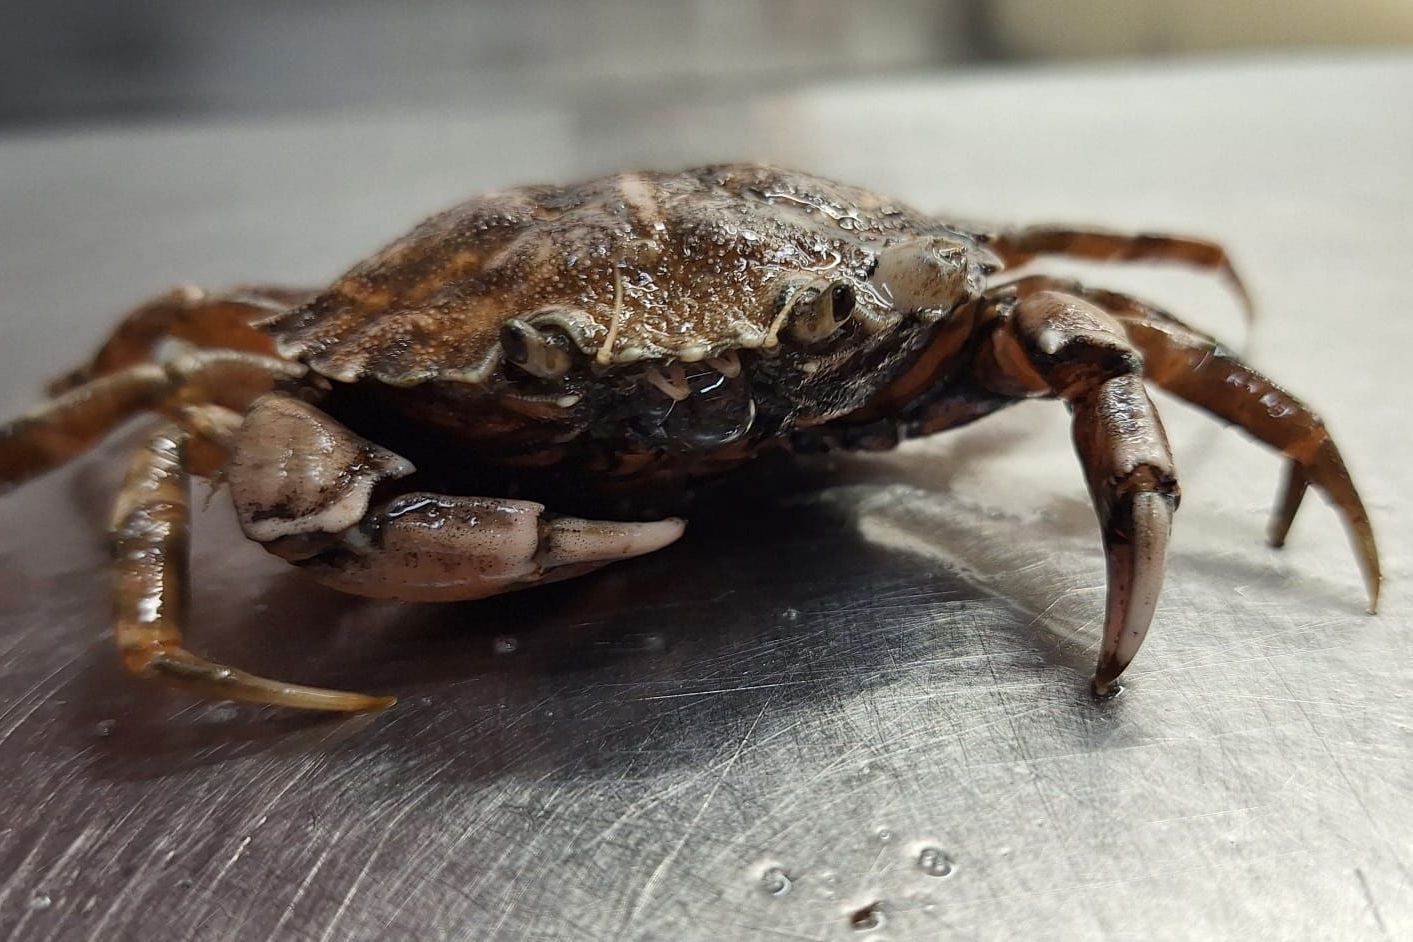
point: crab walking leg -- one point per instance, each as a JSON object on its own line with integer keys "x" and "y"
{"x": 1129, "y": 469}
{"x": 151, "y": 526}
{"x": 187, "y": 313}
{"x": 1060, "y": 345}
{"x": 303, "y": 485}
{"x": 1021, "y": 245}
{"x": 1195, "y": 367}
{"x": 66, "y": 427}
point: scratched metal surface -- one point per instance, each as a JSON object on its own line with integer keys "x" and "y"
{"x": 857, "y": 685}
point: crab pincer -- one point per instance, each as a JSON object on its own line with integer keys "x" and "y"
{"x": 303, "y": 485}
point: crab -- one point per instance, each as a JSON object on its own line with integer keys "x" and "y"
{"x": 605, "y": 348}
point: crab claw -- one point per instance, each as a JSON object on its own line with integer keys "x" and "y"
{"x": 1136, "y": 547}
{"x": 304, "y": 485}
{"x": 425, "y": 547}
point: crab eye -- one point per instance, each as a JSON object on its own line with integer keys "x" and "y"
{"x": 842, "y": 299}
{"x": 820, "y": 312}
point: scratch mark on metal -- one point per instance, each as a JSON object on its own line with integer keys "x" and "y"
{"x": 409, "y": 804}
{"x": 1369, "y": 898}
{"x": 646, "y": 893}
{"x": 42, "y": 686}
{"x": 76, "y": 845}
{"x": 304, "y": 885}
{"x": 707, "y": 693}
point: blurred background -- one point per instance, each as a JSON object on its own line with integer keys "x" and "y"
{"x": 65, "y": 61}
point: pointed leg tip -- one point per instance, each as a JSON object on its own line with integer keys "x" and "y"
{"x": 179, "y": 668}
{"x": 1237, "y": 284}
{"x": 1105, "y": 689}
{"x": 331, "y": 701}
{"x": 1248, "y": 304}
{"x": 1105, "y": 685}
{"x": 1373, "y": 578}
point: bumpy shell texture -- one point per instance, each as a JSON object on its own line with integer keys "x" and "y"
{"x": 630, "y": 267}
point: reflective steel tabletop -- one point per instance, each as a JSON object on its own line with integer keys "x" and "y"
{"x": 852, "y": 703}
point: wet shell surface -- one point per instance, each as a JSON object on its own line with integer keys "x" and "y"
{"x": 682, "y": 266}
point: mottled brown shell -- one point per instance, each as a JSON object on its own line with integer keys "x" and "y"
{"x": 681, "y": 266}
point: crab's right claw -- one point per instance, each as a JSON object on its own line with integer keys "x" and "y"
{"x": 424, "y": 547}
{"x": 303, "y": 485}
{"x": 571, "y": 545}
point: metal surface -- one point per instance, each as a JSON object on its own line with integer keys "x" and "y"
{"x": 852, "y": 703}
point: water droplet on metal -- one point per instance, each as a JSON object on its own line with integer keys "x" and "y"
{"x": 504, "y": 644}
{"x": 868, "y": 918}
{"x": 790, "y": 614}
{"x": 104, "y": 728}
{"x": 885, "y": 835}
{"x": 40, "y": 901}
{"x": 934, "y": 862}
{"x": 776, "y": 882}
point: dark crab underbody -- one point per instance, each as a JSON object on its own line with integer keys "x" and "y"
{"x": 601, "y": 348}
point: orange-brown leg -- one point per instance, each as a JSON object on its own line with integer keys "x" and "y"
{"x": 1197, "y": 368}
{"x": 1021, "y": 245}
{"x": 1050, "y": 343}
{"x": 151, "y": 526}
{"x": 200, "y": 318}
{"x": 64, "y": 428}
